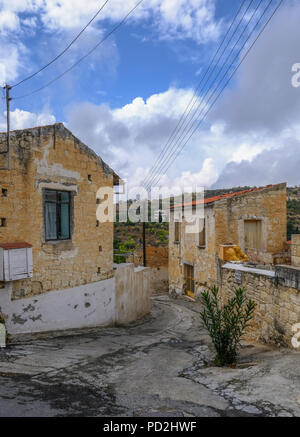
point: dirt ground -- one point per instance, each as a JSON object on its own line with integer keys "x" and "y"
{"x": 160, "y": 366}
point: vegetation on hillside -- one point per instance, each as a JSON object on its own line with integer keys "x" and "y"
{"x": 128, "y": 236}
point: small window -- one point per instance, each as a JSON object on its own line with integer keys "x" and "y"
{"x": 202, "y": 233}
{"x": 57, "y": 215}
{"x": 2, "y": 222}
{"x": 177, "y": 231}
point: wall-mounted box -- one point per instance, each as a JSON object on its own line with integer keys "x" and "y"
{"x": 15, "y": 261}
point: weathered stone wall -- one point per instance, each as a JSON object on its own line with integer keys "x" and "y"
{"x": 225, "y": 224}
{"x": 188, "y": 251}
{"x": 157, "y": 261}
{"x": 51, "y": 157}
{"x": 267, "y": 205}
{"x": 296, "y": 250}
{"x": 277, "y": 298}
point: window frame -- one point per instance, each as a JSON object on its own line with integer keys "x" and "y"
{"x": 203, "y": 232}
{"x": 58, "y": 214}
{"x": 177, "y": 223}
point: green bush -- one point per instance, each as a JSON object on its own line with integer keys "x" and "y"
{"x": 226, "y": 324}
{"x": 119, "y": 259}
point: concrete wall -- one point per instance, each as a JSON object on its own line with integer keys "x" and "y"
{"x": 122, "y": 299}
{"x": 51, "y": 157}
{"x": 277, "y": 297}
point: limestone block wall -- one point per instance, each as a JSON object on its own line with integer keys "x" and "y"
{"x": 296, "y": 250}
{"x": 277, "y": 297}
{"x": 157, "y": 261}
{"x": 225, "y": 223}
{"x": 188, "y": 251}
{"x": 52, "y": 158}
{"x": 267, "y": 205}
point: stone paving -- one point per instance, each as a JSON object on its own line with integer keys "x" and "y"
{"x": 160, "y": 366}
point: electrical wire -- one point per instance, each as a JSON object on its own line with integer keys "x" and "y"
{"x": 224, "y": 63}
{"x": 227, "y": 82}
{"x": 64, "y": 51}
{"x": 83, "y": 57}
{"x": 195, "y": 95}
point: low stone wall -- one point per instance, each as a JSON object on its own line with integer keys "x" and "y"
{"x": 277, "y": 297}
{"x": 122, "y": 299}
{"x": 157, "y": 261}
{"x": 159, "y": 280}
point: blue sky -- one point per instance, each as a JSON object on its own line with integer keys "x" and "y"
{"x": 126, "y": 98}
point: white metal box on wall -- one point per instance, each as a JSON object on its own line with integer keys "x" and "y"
{"x": 15, "y": 261}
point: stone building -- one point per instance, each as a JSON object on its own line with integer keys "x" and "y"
{"x": 56, "y": 258}
{"x": 253, "y": 219}
{"x": 276, "y": 294}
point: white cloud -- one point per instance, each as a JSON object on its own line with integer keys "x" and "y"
{"x": 9, "y": 21}
{"x": 173, "y": 18}
{"x": 60, "y": 21}
{"x": 24, "y": 119}
{"x": 11, "y": 62}
{"x": 130, "y": 137}
{"x": 205, "y": 177}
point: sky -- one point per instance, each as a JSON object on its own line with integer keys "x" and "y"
{"x": 126, "y": 98}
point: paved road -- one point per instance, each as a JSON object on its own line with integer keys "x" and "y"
{"x": 158, "y": 367}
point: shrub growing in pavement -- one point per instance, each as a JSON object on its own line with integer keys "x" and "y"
{"x": 226, "y": 324}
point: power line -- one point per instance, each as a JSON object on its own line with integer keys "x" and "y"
{"x": 227, "y": 82}
{"x": 83, "y": 57}
{"x": 65, "y": 50}
{"x": 195, "y": 95}
{"x": 202, "y": 89}
{"x": 193, "y": 117}
{"x": 196, "y": 114}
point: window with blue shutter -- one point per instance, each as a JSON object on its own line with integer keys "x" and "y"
{"x": 57, "y": 215}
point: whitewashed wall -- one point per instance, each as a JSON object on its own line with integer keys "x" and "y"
{"x": 94, "y": 304}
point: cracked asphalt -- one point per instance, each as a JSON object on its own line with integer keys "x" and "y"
{"x": 158, "y": 367}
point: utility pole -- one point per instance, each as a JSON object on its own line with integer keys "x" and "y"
{"x": 144, "y": 244}
{"x": 8, "y": 99}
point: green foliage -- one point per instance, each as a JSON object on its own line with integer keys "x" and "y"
{"x": 162, "y": 236}
{"x": 291, "y": 229}
{"x": 119, "y": 259}
{"x": 226, "y": 324}
{"x": 294, "y": 205}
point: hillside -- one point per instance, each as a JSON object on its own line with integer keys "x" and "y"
{"x": 128, "y": 236}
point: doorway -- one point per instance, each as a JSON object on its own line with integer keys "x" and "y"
{"x": 189, "y": 282}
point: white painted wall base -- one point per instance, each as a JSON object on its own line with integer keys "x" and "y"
{"x": 94, "y": 304}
